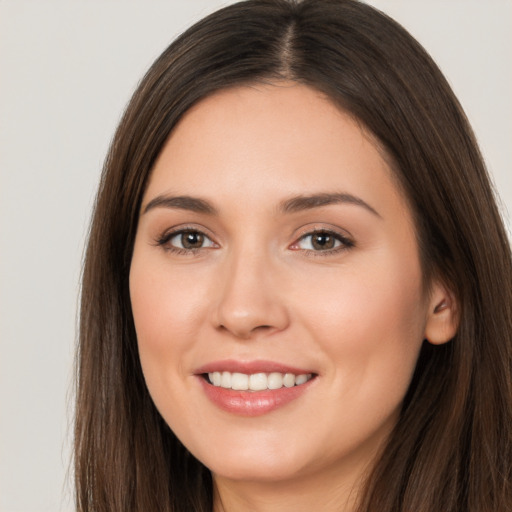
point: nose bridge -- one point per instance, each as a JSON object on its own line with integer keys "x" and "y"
{"x": 249, "y": 298}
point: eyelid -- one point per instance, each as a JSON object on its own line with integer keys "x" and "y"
{"x": 178, "y": 234}
{"x": 167, "y": 235}
{"x": 346, "y": 239}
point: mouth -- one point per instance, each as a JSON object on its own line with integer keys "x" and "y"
{"x": 260, "y": 381}
{"x": 253, "y": 388}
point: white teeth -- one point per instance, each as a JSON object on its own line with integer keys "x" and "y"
{"x": 240, "y": 381}
{"x": 289, "y": 380}
{"x": 257, "y": 381}
{"x": 301, "y": 379}
{"x": 225, "y": 380}
{"x": 216, "y": 378}
{"x": 275, "y": 381}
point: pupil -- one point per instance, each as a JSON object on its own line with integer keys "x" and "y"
{"x": 323, "y": 241}
{"x": 192, "y": 240}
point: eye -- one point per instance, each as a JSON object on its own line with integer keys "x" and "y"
{"x": 186, "y": 240}
{"x": 322, "y": 241}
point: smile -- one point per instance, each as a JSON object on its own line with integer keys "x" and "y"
{"x": 257, "y": 381}
{"x": 253, "y": 388}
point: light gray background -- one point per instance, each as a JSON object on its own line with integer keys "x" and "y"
{"x": 67, "y": 69}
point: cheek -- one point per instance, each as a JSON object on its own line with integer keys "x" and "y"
{"x": 371, "y": 323}
{"x": 166, "y": 310}
{"x": 166, "y": 304}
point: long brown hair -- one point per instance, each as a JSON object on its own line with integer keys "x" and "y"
{"x": 452, "y": 447}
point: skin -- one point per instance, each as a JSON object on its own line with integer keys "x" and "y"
{"x": 355, "y": 315}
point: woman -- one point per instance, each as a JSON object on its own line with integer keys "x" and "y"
{"x": 296, "y": 292}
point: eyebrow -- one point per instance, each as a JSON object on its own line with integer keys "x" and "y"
{"x": 292, "y": 205}
{"x": 189, "y": 203}
{"x": 301, "y": 203}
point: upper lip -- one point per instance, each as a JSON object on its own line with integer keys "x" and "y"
{"x": 250, "y": 367}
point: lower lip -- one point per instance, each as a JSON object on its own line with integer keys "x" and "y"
{"x": 252, "y": 403}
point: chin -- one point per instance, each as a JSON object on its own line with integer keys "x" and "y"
{"x": 272, "y": 462}
{"x": 270, "y": 470}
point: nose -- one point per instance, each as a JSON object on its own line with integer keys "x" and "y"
{"x": 251, "y": 300}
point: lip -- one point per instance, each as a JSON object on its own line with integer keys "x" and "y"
{"x": 250, "y": 367}
{"x": 251, "y": 403}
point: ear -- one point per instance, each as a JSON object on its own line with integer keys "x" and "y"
{"x": 442, "y": 315}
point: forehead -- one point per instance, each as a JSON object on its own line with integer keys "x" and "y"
{"x": 269, "y": 141}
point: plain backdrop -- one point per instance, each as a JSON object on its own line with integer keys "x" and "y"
{"x": 67, "y": 69}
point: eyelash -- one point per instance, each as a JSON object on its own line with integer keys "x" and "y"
{"x": 165, "y": 239}
{"x": 344, "y": 242}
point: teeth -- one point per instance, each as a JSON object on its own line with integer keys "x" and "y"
{"x": 275, "y": 381}
{"x": 257, "y": 381}
{"x": 239, "y": 381}
{"x": 216, "y": 378}
{"x": 289, "y": 380}
{"x": 225, "y": 380}
{"x": 301, "y": 379}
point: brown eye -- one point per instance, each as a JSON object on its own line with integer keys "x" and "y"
{"x": 322, "y": 241}
{"x": 186, "y": 240}
{"x": 191, "y": 240}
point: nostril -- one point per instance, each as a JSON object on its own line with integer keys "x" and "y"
{"x": 245, "y": 333}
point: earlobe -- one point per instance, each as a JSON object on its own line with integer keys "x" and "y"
{"x": 442, "y": 316}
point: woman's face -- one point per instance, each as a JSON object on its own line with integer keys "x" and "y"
{"x": 274, "y": 250}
